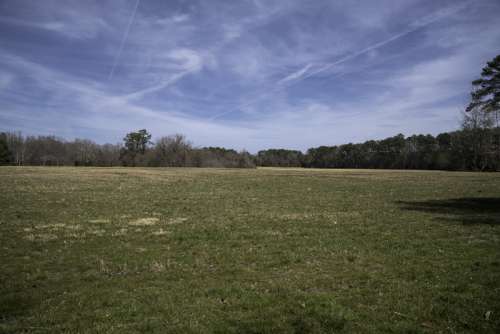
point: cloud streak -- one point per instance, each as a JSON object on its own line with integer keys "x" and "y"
{"x": 311, "y": 69}
{"x": 416, "y": 25}
{"x": 241, "y": 74}
{"x": 124, "y": 40}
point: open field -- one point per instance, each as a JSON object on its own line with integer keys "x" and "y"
{"x": 116, "y": 250}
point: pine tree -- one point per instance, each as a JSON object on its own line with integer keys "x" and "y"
{"x": 486, "y": 94}
{"x": 485, "y": 106}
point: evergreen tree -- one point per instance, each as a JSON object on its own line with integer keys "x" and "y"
{"x": 486, "y": 93}
{"x": 5, "y": 154}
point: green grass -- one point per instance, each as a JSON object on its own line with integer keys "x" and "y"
{"x": 117, "y": 250}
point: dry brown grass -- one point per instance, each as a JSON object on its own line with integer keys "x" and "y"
{"x": 99, "y": 221}
{"x": 157, "y": 267}
{"x": 41, "y": 237}
{"x": 160, "y": 232}
{"x": 144, "y": 221}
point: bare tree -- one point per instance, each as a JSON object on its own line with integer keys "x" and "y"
{"x": 172, "y": 151}
{"x": 17, "y": 146}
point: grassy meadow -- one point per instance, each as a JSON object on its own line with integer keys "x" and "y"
{"x": 165, "y": 250}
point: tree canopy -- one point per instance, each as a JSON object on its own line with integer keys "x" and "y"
{"x": 135, "y": 143}
{"x": 5, "y": 153}
{"x": 486, "y": 93}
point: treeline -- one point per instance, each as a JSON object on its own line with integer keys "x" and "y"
{"x": 170, "y": 151}
{"x": 472, "y": 148}
{"x": 458, "y": 150}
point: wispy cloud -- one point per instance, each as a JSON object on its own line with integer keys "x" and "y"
{"x": 249, "y": 74}
{"x": 414, "y": 26}
{"x": 70, "y": 27}
{"x": 180, "y": 62}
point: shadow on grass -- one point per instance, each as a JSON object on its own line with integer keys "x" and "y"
{"x": 12, "y": 308}
{"x": 279, "y": 311}
{"x": 467, "y": 210}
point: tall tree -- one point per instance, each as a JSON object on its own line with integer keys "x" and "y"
{"x": 5, "y": 154}
{"x": 485, "y": 108}
{"x": 135, "y": 143}
{"x": 486, "y": 92}
{"x": 478, "y": 134}
{"x": 172, "y": 151}
{"x": 17, "y": 146}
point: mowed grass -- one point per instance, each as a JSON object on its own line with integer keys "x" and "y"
{"x": 122, "y": 250}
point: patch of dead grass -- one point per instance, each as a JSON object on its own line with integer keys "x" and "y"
{"x": 145, "y": 221}
{"x": 157, "y": 267}
{"x": 98, "y": 232}
{"x": 177, "y": 220}
{"x": 160, "y": 232}
{"x": 74, "y": 227}
{"x": 149, "y": 221}
{"x": 43, "y": 237}
{"x": 54, "y": 226}
{"x": 120, "y": 232}
{"x": 99, "y": 221}
{"x": 102, "y": 266}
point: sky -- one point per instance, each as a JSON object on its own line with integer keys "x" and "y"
{"x": 243, "y": 74}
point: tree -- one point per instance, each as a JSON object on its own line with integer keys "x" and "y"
{"x": 280, "y": 158}
{"x": 172, "y": 151}
{"x": 478, "y": 139}
{"x": 482, "y": 120}
{"x": 46, "y": 151}
{"x": 485, "y": 96}
{"x": 135, "y": 143}
{"x": 108, "y": 155}
{"x": 84, "y": 152}
{"x": 16, "y": 144}
{"x": 5, "y": 154}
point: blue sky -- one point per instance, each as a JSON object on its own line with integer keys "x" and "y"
{"x": 248, "y": 74}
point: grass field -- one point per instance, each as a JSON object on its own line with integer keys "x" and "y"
{"x": 117, "y": 250}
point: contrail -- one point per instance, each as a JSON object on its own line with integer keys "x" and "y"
{"x": 125, "y": 36}
{"x": 353, "y": 55}
{"x": 443, "y": 13}
{"x": 304, "y": 73}
{"x": 296, "y": 74}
